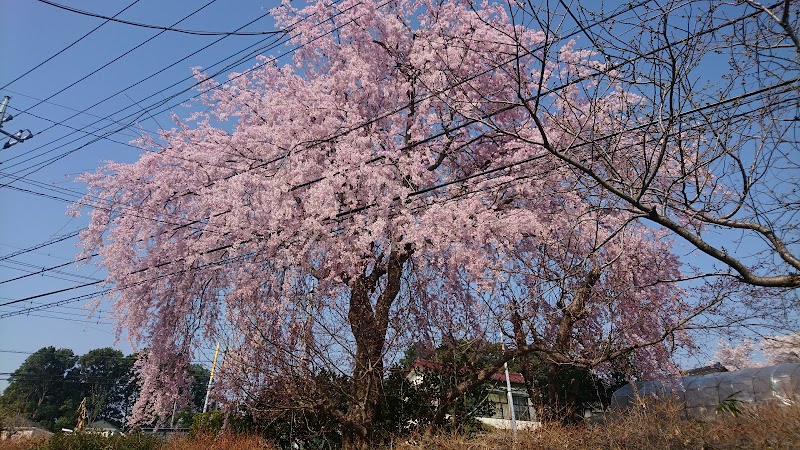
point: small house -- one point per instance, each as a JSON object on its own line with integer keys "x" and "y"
{"x": 499, "y": 415}
{"x": 104, "y": 428}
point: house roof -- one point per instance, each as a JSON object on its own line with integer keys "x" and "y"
{"x": 102, "y": 425}
{"x": 514, "y": 377}
{"x": 711, "y": 368}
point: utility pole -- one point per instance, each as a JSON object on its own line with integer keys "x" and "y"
{"x": 16, "y": 138}
{"x": 211, "y": 378}
{"x": 510, "y": 398}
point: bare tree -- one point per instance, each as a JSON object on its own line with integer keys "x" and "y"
{"x": 687, "y": 118}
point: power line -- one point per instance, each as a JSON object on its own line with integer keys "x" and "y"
{"x": 54, "y": 159}
{"x": 51, "y": 241}
{"x": 97, "y": 202}
{"x": 583, "y": 28}
{"x": 69, "y": 108}
{"x": 120, "y": 56}
{"x": 156, "y": 27}
{"x": 97, "y": 294}
{"x": 65, "y": 200}
{"x": 173, "y": 64}
{"x": 104, "y": 136}
{"x": 33, "y": 270}
{"x": 84, "y": 314}
{"x": 83, "y": 129}
{"x": 67, "y": 319}
{"x": 24, "y": 352}
{"x": 74, "y": 308}
{"x": 266, "y": 47}
{"x": 67, "y": 47}
{"x": 49, "y": 269}
{"x": 55, "y": 304}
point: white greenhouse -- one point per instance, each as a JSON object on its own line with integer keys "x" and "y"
{"x": 702, "y": 395}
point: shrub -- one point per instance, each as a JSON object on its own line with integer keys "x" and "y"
{"x": 86, "y": 441}
{"x": 655, "y": 428}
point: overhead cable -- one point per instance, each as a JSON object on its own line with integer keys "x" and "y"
{"x": 67, "y": 47}
{"x": 157, "y": 27}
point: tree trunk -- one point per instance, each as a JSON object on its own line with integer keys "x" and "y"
{"x": 365, "y": 385}
{"x": 369, "y": 330}
{"x": 554, "y": 405}
{"x": 366, "y": 389}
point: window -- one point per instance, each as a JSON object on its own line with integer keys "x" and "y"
{"x": 499, "y": 402}
{"x": 521, "y": 409}
{"x": 499, "y": 406}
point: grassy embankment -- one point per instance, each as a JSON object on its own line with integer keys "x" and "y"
{"x": 651, "y": 429}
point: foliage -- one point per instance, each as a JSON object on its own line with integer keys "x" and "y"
{"x": 41, "y": 388}
{"x": 184, "y": 417}
{"x": 224, "y": 441}
{"x": 216, "y": 421}
{"x": 105, "y": 378}
{"x": 567, "y": 393}
{"x": 50, "y": 384}
{"x": 730, "y": 405}
{"x": 87, "y": 441}
{"x": 767, "y": 427}
{"x": 207, "y": 422}
{"x": 410, "y": 405}
{"x": 306, "y": 429}
{"x": 288, "y": 425}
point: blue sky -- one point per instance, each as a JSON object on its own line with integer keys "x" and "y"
{"x": 32, "y": 32}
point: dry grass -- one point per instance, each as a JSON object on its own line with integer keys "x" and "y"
{"x": 218, "y": 442}
{"x": 656, "y": 428}
{"x": 661, "y": 429}
{"x": 95, "y": 442}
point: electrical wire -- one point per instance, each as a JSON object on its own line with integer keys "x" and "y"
{"x": 611, "y": 16}
{"x": 69, "y": 108}
{"x": 67, "y": 47}
{"x": 156, "y": 27}
{"x": 366, "y": 123}
{"x": 258, "y": 49}
{"x": 225, "y": 260}
{"x": 32, "y": 270}
{"x": 50, "y": 241}
{"x": 119, "y": 57}
{"x": 105, "y": 357}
